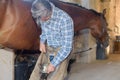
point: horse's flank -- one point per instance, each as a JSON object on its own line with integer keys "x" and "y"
{"x": 17, "y": 28}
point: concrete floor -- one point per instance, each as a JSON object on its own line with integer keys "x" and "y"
{"x": 108, "y": 69}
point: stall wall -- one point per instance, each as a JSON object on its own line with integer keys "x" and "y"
{"x": 117, "y": 17}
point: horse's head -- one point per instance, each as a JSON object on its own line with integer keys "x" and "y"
{"x": 99, "y": 30}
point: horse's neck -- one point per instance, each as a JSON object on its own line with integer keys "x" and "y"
{"x": 82, "y": 17}
{"x": 73, "y": 10}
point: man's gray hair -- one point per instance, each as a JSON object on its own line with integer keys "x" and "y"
{"x": 40, "y": 8}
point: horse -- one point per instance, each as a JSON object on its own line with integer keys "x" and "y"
{"x": 18, "y": 29}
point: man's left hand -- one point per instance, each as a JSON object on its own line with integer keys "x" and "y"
{"x": 50, "y": 68}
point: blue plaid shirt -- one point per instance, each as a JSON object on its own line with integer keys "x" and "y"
{"x": 58, "y": 31}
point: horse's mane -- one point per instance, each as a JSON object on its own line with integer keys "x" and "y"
{"x": 74, "y": 4}
{"x": 95, "y": 12}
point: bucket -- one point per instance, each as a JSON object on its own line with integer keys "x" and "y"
{"x": 100, "y": 52}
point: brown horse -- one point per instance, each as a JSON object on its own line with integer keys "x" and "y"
{"x": 19, "y": 31}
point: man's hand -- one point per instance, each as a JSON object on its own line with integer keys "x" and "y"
{"x": 50, "y": 68}
{"x": 42, "y": 48}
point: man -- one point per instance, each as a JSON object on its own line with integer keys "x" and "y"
{"x": 57, "y": 30}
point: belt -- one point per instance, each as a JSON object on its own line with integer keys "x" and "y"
{"x": 54, "y": 47}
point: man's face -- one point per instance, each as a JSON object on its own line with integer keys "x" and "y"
{"x": 46, "y": 16}
{"x": 41, "y": 12}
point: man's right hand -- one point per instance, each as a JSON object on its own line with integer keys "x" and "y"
{"x": 42, "y": 47}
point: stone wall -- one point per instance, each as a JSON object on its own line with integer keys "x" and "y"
{"x": 117, "y": 19}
